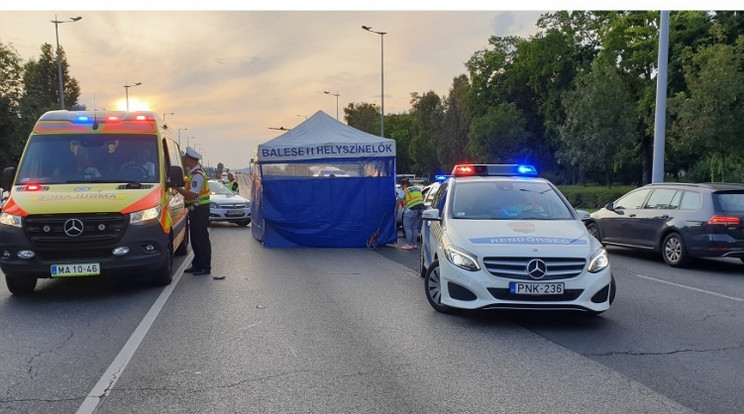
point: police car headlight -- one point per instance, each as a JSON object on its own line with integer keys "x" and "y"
{"x": 140, "y": 217}
{"x": 461, "y": 259}
{"x": 10, "y": 220}
{"x": 599, "y": 261}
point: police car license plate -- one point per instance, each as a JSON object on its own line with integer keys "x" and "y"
{"x": 521, "y": 288}
{"x": 233, "y": 213}
{"x": 73, "y": 270}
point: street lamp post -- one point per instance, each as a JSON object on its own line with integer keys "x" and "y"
{"x": 126, "y": 90}
{"x": 382, "y": 80}
{"x": 336, "y": 95}
{"x": 167, "y": 113}
{"x": 179, "y": 135}
{"x": 59, "y": 61}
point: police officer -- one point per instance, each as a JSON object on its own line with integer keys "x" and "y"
{"x": 412, "y": 200}
{"x": 232, "y": 183}
{"x": 196, "y": 195}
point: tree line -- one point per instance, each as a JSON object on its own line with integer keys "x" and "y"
{"x": 577, "y": 99}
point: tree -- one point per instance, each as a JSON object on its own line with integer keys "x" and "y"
{"x": 455, "y": 125}
{"x": 599, "y": 122}
{"x": 427, "y": 112}
{"x": 363, "y": 116}
{"x": 499, "y": 136}
{"x": 400, "y": 127}
{"x": 710, "y": 117}
{"x": 11, "y": 90}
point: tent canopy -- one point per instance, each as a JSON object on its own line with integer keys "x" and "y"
{"x": 321, "y": 137}
{"x": 324, "y": 184}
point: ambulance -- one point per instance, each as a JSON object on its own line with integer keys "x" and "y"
{"x": 93, "y": 196}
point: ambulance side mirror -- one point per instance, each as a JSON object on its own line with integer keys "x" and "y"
{"x": 175, "y": 177}
{"x": 8, "y": 176}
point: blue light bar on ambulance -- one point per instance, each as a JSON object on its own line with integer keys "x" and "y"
{"x": 464, "y": 170}
{"x": 441, "y": 177}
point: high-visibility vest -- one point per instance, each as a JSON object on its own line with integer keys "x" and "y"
{"x": 233, "y": 186}
{"x": 413, "y": 197}
{"x": 203, "y": 197}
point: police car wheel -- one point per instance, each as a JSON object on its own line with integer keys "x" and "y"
{"x": 20, "y": 285}
{"x": 433, "y": 288}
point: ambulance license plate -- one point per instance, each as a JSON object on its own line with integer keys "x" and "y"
{"x": 74, "y": 270}
{"x": 521, "y": 288}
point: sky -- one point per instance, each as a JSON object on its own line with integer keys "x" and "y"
{"x": 225, "y": 77}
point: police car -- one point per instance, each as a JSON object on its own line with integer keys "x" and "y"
{"x": 497, "y": 236}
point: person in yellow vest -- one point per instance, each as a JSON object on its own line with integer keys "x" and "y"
{"x": 232, "y": 183}
{"x": 196, "y": 196}
{"x": 410, "y": 198}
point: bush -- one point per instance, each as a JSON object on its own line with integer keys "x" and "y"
{"x": 592, "y": 197}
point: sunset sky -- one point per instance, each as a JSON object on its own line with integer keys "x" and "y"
{"x": 228, "y": 76}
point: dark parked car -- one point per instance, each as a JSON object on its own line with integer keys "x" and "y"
{"x": 682, "y": 221}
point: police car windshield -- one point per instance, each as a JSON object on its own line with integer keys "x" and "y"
{"x": 72, "y": 158}
{"x": 508, "y": 200}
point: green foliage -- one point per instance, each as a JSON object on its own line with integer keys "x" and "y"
{"x": 426, "y": 113}
{"x": 592, "y": 197}
{"x": 710, "y": 116}
{"x": 599, "y": 122}
{"x": 499, "y": 136}
{"x": 364, "y": 117}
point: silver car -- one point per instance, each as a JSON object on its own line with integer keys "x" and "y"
{"x": 224, "y": 205}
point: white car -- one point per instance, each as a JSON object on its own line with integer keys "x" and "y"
{"x": 496, "y": 236}
{"x": 224, "y": 205}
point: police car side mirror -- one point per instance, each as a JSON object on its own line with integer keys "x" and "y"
{"x": 175, "y": 177}
{"x": 8, "y": 176}
{"x": 583, "y": 214}
{"x": 431, "y": 214}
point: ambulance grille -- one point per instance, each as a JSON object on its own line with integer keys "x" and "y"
{"x": 517, "y": 267}
{"x": 83, "y": 229}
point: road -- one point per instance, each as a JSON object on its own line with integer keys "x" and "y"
{"x": 350, "y": 331}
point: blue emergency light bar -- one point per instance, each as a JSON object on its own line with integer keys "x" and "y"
{"x": 464, "y": 170}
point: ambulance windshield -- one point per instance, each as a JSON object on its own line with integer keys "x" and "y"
{"x": 70, "y": 158}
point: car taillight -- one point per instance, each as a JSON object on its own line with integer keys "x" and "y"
{"x": 728, "y": 221}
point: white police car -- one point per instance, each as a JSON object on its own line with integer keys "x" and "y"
{"x": 496, "y": 236}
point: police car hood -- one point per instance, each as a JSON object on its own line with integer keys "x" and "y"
{"x": 83, "y": 198}
{"x": 523, "y": 237}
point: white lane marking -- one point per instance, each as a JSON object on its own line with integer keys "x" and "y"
{"x": 109, "y": 378}
{"x": 720, "y": 295}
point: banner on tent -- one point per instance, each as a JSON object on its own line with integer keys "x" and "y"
{"x": 380, "y": 149}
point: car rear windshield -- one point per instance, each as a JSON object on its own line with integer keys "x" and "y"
{"x": 729, "y": 202}
{"x": 508, "y": 200}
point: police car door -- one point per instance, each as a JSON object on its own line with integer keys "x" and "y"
{"x": 431, "y": 230}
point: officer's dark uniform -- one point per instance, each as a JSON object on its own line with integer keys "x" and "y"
{"x": 199, "y": 223}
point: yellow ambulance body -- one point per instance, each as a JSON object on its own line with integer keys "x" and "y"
{"x": 93, "y": 196}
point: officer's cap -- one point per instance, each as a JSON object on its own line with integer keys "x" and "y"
{"x": 191, "y": 153}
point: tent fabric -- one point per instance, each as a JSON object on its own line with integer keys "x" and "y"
{"x": 292, "y": 207}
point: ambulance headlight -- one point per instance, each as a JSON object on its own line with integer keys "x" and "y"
{"x": 141, "y": 217}
{"x": 599, "y": 261}
{"x": 10, "y": 220}
{"x": 461, "y": 259}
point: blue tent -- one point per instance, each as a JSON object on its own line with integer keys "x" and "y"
{"x": 324, "y": 184}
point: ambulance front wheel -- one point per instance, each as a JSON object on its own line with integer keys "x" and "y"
{"x": 20, "y": 285}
